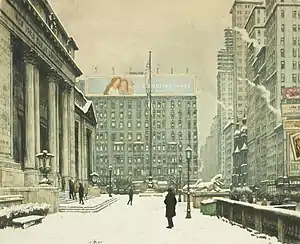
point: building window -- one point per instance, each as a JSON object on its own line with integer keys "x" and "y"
{"x": 113, "y": 136}
{"x": 294, "y": 65}
{"x": 113, "y": 105}
{"x": 146, "y": 124}
{"x": 121, "y": 115}
{"x": 294, "y": 52}
{"x": 282, "y": 13}
{"x": 294, "y": 27}
{"x": 129, "y": 136}
{"x": 129, "y": 105}
{"x": 121, "y": 125}
{"x": 121, "y": 136}
{"x": 294, "y": 78}
{"x": 282, "y": 52}
{"x": 172, "y": 124}
{"x": 282, "y": 40}
{"x": 294, "y": 14}
{"x": 129, "y": 114}
{"x": 129, "y": 124}
{"x": 138, "y": 124}
{"x": 282, "y": 27}
{"x": 121, "y": 105}
{"x": 282, "y": 77}
{"x": 282, "y": 64}
{"x": 138, "y": 136}
{"x": 113, "y": 124}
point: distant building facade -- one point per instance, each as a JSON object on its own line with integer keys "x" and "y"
{"x": 228, "y": 132}
{"x": 122, "y": 134}
{"x": 210, "y": 157}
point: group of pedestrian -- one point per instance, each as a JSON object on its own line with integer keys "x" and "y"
{"x": 170, "y": 202}
{"x": 77, "y": 187}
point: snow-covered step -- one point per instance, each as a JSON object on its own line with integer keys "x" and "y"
{"x": 88, "y": 208}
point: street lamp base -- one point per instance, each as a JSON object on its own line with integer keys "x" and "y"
{"x": 188, "y": 215}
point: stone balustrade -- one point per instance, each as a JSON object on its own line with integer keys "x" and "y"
{"x": 281, "y": 223}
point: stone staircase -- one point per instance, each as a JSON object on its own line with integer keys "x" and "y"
{"x": 93, "y": 205}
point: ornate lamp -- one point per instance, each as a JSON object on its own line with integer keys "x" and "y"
{"x": 45, "y": 165}
{"x": 95, "y": 178}
{"x": 188, "y": 154}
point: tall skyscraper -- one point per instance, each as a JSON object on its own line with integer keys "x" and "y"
{"x": 240, "y": 11}
{"x": 224, "y": 92}
{"x": 256, "y": 109}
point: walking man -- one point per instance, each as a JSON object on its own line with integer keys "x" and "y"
{"x": 130, "y": 194}
{"x": 71, "y": 189}
{"x": 81, "y": 193}
{"x": 170, "y": 203}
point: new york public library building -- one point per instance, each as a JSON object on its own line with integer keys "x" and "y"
{"x": 40, "y": 108}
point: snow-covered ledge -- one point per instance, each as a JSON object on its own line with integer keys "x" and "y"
{"x": 282, "y": 223}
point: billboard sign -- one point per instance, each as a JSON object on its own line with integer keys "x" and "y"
{"x": 290, "y": 110}
{"x": 135, "y": 85}
{"x": 291, "y": 93}
{"x": 291, "y": 124}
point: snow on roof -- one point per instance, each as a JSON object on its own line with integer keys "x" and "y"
{"x": 87, "y": 104}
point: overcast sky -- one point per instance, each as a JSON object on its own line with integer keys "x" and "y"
{"x": 180, "y": 33}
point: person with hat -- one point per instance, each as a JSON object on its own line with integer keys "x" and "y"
{"x": 170, "y": 202}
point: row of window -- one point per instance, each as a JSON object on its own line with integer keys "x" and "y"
{"x": 141, "y": 160}
{"x": 156, "y": 124}
{"x": 156, "y": 136}
{"x": 158, "y": 104}
{"x": 131, "y": 147}
{"x": 141, "y": 171}
{"x": 155, "y": 113}
{"x": 295, "y": 14}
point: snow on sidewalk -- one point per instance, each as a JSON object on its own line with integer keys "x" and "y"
{"x": 144, "y": 222}
{"x": 90, "y": 202}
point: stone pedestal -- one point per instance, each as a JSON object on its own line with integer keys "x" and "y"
{"x": 94, "y": 191}
{"x": 41, "y": 194}
{"x": 31, "y": 177}
{"x": 197, "y": 197}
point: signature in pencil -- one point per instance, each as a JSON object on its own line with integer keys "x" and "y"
{"x": 95, "y": 242}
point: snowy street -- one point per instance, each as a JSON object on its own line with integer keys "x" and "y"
{"x": 144, "y": 222}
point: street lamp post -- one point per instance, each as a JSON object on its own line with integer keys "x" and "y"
{"x": 180, "y": 172}
{"x": 188, "y": 154}
{"x": 110, "y": 187}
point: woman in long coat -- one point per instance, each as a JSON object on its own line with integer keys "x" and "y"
{"x": 170, "y": 203}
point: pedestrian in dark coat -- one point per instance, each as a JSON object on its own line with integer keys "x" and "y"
{"x": 81, "y": 193}
{"x": 170, "y": 203}
{"x": 71, "y": 189}
{"x": 130, "y": 194}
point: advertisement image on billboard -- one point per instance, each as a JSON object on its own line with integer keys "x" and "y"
{"x": 135, "y": 85}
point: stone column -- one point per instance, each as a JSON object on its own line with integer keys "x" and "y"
{"x": 52, "y": 129}
{"x": 37, "y": 113}
{"x": 79, "y": 152}
{"x": 57, "y": 124}
{"x": 84, "y": 153}
{"x": 65, "y": 128}
{"x": 29, "y": 166}
{"x": 71, "y": 118}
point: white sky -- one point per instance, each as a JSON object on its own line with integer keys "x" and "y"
{"x": 181, "y": 34}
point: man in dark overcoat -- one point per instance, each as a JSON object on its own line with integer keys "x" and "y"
{"x": 71, "y": 189}
{"x": 170, "y": 202}
{"x": 130, "y": 194}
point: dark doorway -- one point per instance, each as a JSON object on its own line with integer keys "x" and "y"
{"x": 88, "y": 152}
